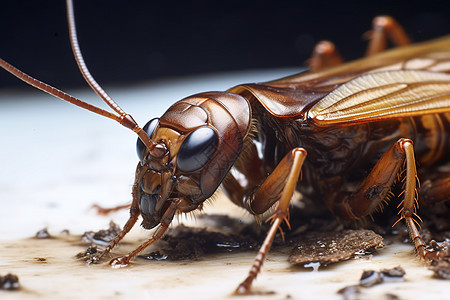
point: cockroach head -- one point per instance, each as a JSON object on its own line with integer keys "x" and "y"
{"x": 202, "y": 136}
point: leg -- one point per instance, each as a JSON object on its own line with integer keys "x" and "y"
{"x": 324, "y": 55}
{"x": 384, "y": 28}
{"x": 134, "y": 215}
{"x": 106, "y": 211}
{"x": 279, "y": 186}
{"x": 375, "y": 187}
{"x": 157, "y": 234}
{"x": 408, "y": 211}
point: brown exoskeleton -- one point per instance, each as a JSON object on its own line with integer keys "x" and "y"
{"x": 361, "y": 124}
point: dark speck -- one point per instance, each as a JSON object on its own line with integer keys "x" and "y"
{"x": 43, "y": 234}
{"x": 9, "y": 282}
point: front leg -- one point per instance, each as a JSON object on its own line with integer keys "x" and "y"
{"x": 134, "y": 215}
{"x": 166, "y": 219}
{"x": 278, "y": 186}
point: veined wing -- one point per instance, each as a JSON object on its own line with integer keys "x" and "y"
{"x": 384, "y": 95}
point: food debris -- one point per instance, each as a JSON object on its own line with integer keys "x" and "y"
{"x": 88, "y": 253}
{"x": 350, "y": 292}
{"x": 370, "y": 278}
{"x": 441, "y": 267}
{"x": 103, "y": 237}
{"x": 41, "y": 259}
{"x": 98, "y": 241}
{"x": 155, "y": 255}
{"x": 43, "y": 234}
{"x": 225, "y": 234}
{"x": 65, "y": 232}
{"x": 9, "y": 282}
{"x": 222, "y": 223}
{"x": 331, "y": 247}
{"x": 183, "y": 243}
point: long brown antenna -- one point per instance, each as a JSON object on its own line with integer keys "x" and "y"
{"x": 126, "y": 119}
{"x": 55, "y": 92}
{"x": 81, "y": 64}
{"x": 122, "y": 117}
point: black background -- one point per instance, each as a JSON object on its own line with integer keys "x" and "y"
{"x": 133, "y": 41}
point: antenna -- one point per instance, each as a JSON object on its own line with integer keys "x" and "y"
{"x": 121, "y": 117}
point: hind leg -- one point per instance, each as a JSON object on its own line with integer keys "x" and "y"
{"x": 375, "y": 187}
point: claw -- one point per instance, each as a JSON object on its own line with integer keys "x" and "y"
{"x": 120, "y": 262}
{"x": 243, "y": 288}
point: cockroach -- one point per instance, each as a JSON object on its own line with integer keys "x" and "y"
{"x": 364, "y": 125}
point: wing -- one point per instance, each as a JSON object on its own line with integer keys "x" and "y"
{"x": 384, "y": 95}
{"x": 294, "y": 95}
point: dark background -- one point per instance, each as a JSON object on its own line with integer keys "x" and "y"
{"x": 133, "y": 41}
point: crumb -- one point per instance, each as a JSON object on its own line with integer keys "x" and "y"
{"x": 9, "y": 282}
{"x": 41, "y": 259}
{"x": 103, "y": 237}
{"x": 350, "y": 292}
{"x": 65, "y": 232}
{"x": 89, "y": 251}
{"x": 370, "y": 278}
{"x": 43, "y": 234}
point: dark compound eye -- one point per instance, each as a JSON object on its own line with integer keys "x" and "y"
{"x": 197, "y": 149}
{"x": 149, "y": 128}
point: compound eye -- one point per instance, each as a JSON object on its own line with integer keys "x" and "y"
{"x": 197, "y": 149}
{"x": 149, "y": 128}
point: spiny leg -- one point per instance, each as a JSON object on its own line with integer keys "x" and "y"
{"x": 385, "y": 28}
{"x": 373, "y": 190}
{"x": 292, "y": 163}
{"x": 409, "y": 209}
{"x": 375, "y": 187}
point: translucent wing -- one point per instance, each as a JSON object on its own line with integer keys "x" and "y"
{"x": 384, "y": 95}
